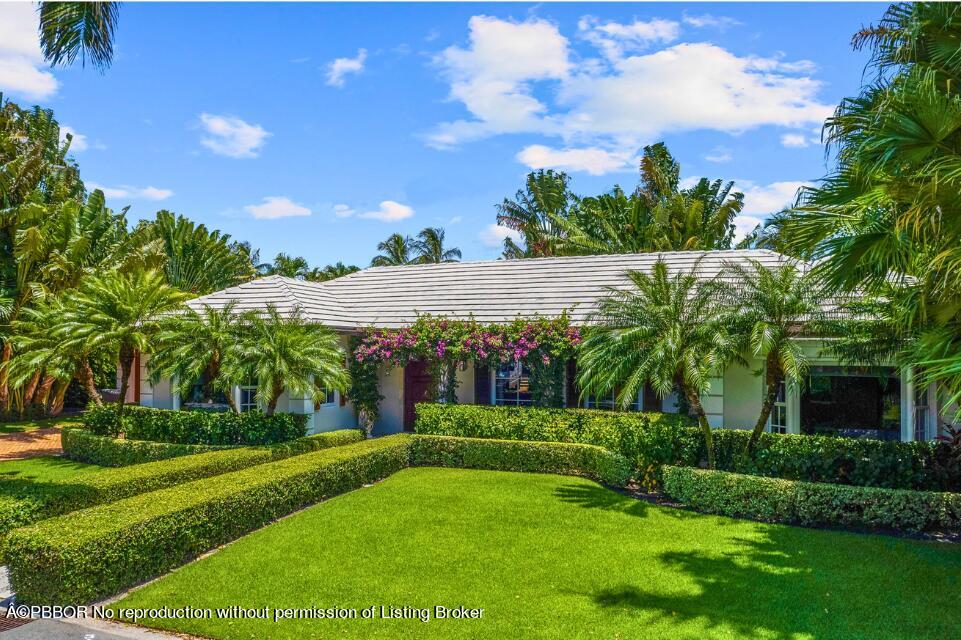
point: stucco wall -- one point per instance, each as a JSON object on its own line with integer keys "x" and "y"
{"x": 742, "y": 395}
{"x": 391, "y": 385}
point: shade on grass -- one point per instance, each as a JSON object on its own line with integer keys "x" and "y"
{"x": 33, "y": 425}
{"x": 559, "y": 557}
{"x": 43, "y": 469}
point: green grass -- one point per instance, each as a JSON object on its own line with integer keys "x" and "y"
{"x": 560, "y": 557}
{"x": 43, "y": 469}
{"x": 32, "y": 425}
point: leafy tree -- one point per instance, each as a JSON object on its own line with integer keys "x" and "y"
{"x": 287, "y": 266}
{"x": 85, "y": 29}
{"x": 119, "y": 312}
{"x": 887, "y": 220}
{"x": 284, "y": 352}
{"x": 770, "y": 308}
{"x": 429, "y": 247}
{"x": 193, "y": 258}
{"x": 191, "y": 345}
{"x": 667, "y": 330}
{"x": 395, "y": 251}
{"x": 332, "y": 271}
{"x": 534, "y": 213}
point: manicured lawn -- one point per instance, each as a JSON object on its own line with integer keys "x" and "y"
{"x": 32, "y": 425}
{"x": 558, "y": 557}
{"x": 43, "y": 469}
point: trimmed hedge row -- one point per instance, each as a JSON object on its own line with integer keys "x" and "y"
{"x": 563, "y": 458}
{"x": 29, "y": 502}
{"x": 196, "y": 427}
{"x": 83, "y": 446}
{"x": 811, "y": 503}
{"x": 93, "y": 553}
{"x": 651, "y": 440}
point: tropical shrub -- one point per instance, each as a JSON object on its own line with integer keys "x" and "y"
{"x": 196, "y": 427}
{"x": 811, "y": 503}
{"x": 563, "y": 458}
{"x": 28, "y": 502}
{"x": 84, "y": 556}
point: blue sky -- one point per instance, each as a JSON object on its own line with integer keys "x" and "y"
{"x": 320, "y": 129}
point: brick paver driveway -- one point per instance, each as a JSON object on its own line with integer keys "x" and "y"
{"x": 39, "y": 442}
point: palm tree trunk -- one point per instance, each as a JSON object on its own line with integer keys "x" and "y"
{"x": 43, "y": 392}
{"x": 85, "y": 374}
{"x": 57, "y": 398}
{"x": 694, "y": 400}
{"x": 31, "y": 388}
{"x": 274, "y": 396}
{"x": 126, "y": 365}
{"x": 772, "y": 380}
{"x": 4, "y": 378}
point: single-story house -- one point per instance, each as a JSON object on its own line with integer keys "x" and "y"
{"x": 843, "y": 399}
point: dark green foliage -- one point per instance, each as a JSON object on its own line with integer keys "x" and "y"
{"x": 197, "y": 427}
{"x": 652, "y": 439}
{"x": 25, "y": 502}
{"x": 83, "y": 446}
{"x": 563, "y": 458}
{"x": 811, "y": 503}
{"x": 84, "y": 556}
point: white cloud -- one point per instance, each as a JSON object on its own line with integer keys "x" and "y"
{"x": 709, "y": 20}
{"x": 800, "y": 140}
{"x": 491, "y": 77}
{"x": 232, "y": 137}
{"x": 22, "y": 69}
{"x": 78, "y": 142}
{"x": 341, "y": 67}
{"x": 389, "y": 211}
{"x": 744, "y": 225}
{"x": 592, "y": 160}
{"x": 519, "y": 78}
{"x": 614, "y": 39}
{"x": 455, "y": 220}
{"x": 719, "y": 155}
{"x": 764, "y": 200}
{"x": 493, "y": 236}
{"x": 274, "y": 207}
{"x": 127, "y": 191}
{"x": 343, "y": 211}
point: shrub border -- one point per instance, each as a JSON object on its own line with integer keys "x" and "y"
{"x": 83, "y": 446}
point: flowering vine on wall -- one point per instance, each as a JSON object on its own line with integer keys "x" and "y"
{"x": 543, "y": 344}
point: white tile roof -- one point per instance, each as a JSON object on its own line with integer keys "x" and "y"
{"x": 491, "y": 291}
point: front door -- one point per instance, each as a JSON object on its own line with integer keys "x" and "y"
{"x": 417, "y": 382}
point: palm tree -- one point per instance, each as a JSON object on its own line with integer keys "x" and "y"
{"x": 119, "y": 312}
{"x": 534, "y": 212}
{"x": 287, "y": 266}
{"x": 284, "y": 352}
{"x": 193, "y": 258}
{"x": 69, "y": 29}
{"x": 771, "y": 306}
{"x": 194, "y": 345}
{"x": 667, "y": 330}
{"x": 430, "y": 247}
{"x": 331, "y": 272}
{"x": 395, "y": 251}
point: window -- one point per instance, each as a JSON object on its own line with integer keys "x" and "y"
{"x": 608, "y": 402}
{"x": 921, "y": 413}
{"x": 326, "y": 398}
{"x": 853, "y": 402}
{"x": 248, "y": 398}
{"x": 778, "y": 419}
{"x": 512, "y": 385}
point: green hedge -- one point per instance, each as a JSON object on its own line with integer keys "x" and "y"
{"x": 651, "y": 440}
{"x": 89, "y": 554}
{"x": 27, "y": 502}
{"x": 196, "y": 427}
{"x": 510, "y": 455}
{"x": 811, "y": 503}
{"x": 83, "y": 446}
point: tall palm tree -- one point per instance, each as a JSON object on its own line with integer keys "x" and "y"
{"x": 771, "y": 306}
{"x": 193, "y": 258}
{"x": 667, "y": 330}
{"x": 287, "y": 266}
{"x": 534, "y": 212}
{"x": 119, "y": 312}
{"x": 332, "y": 271}
{"x": 284, "y": 352}
{"x": 395, "y": 251}
{"x": 193, "y": 345}
{"x": 429, "y": 247}
{"x": 85, "y": 29}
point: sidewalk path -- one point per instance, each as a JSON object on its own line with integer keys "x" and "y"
{"x": 27, "y": 444}
{"x": 82, "y": 630}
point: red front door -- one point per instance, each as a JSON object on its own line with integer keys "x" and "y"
{"x": 416, "y": 385}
